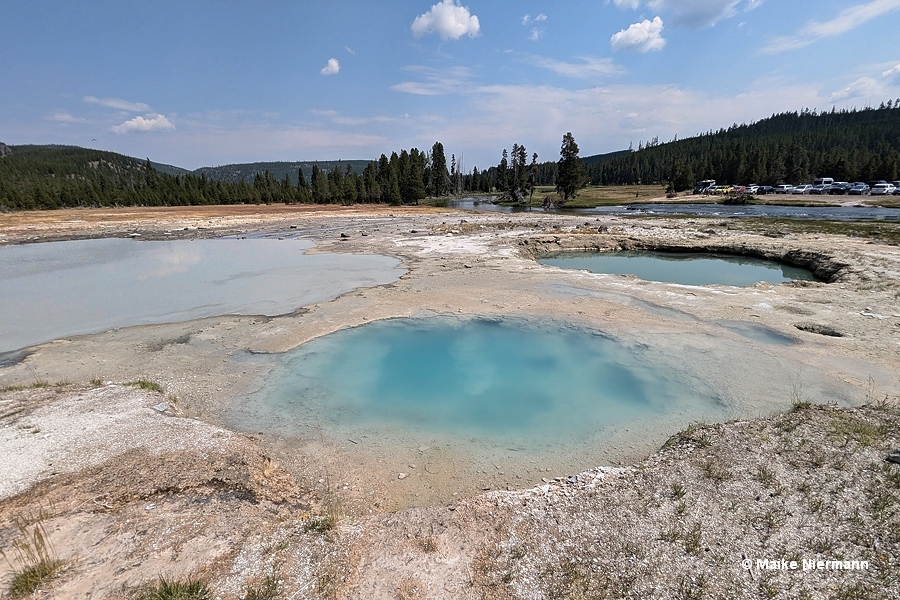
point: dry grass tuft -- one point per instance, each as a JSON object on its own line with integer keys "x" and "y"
{"x": 35, "y": 555}
{"x": 173, "y": 589}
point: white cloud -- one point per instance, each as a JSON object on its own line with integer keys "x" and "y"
{"x": 589, "y": 67}
{"x": 153, "y": 122}
{"x": 864, "y": 87}
{"x": 117, "y": 103}
{"x": 536, "y": 33}
{"x": 892, "y": 73}
{"x": 448, "y": 19}
{"x": 529, "y": 19}
{"x": 847, "y": 20}
{"x": 349, "y": 50}
{"x": 332, "y": 67}
{"x": 640, "y": 37}
{"x": 632, "y": 4}
{"x": 64, "y": 117}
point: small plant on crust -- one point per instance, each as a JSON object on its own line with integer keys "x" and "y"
{"x": 173, "y": 589}
{"x": 35, "y": 555}
{"x": 146, "y": 384}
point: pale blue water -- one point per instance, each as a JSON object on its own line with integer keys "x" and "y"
{"x": 57, "y": 289}
{"x": 681, "y": 267}
{"x": 508, "y": 382}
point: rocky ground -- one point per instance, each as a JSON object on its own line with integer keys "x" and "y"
{"x": 131, "y": 484}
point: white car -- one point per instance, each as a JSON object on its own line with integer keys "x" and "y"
{"x": 783, "y": 189}
{"x": 801, "y": 189}
{"x": 882, "y": 189}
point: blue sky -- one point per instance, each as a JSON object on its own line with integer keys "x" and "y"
{"x": 201, "y": 83}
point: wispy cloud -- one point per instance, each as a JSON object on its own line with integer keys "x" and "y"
{"x": 155, "y": 122}
{"x": 332, "y": 67}
{"x": 527, "y": 19}
{"x": 117, "y": 104}
{"x": 590, "y": 67}
{"x": 448, "y": 19}
{"x": 435, "y": 82}
{"x": 603, "y": 118}
{"x": 337, "y": 118}
{"x": 693, "y": 14}
{"x": 64, "y": 117}
{"x": 536, "y": 32}
{"x": 847, "y": 20}
{"x": 640, "y": 37}
{"x": 892, "y": 74}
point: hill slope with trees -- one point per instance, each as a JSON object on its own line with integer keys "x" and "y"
{"x": 793, "y": 147}
{"x": 47, "y": 177}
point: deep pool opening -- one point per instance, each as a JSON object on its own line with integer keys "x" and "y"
{"x": 535, "y": 386}
{"x": 447, "y": 404}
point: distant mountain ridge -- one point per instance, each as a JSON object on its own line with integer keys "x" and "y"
{"x": 60, "y": 176}
{"x": 235, "y": 173}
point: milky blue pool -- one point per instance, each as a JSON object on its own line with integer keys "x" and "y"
{"x": 682, "y": 267}
{"x": 506, "y": 382}
{"x": 58, "y": 289}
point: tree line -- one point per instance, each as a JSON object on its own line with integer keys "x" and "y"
{"x": 47, "y": 177}
{"x": 791, "y": 147}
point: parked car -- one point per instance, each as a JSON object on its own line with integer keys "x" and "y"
{"x": 783, "y": 188}
{"x": 819, "y": 189}
{"x": 702, "y": 187}
{"x": 858, "y": 189}
{"x": 803, "y": 188}
{"x": 765, "y": 189}
{"x": 882, "y": 189}
{"x": 839, "y": 188}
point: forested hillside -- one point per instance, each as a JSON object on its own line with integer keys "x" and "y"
{"x": 46, "y": 177}
{"x": 793, "y": 148}
{"x": 245, "y": 172}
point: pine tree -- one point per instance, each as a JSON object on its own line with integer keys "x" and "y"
{"x": 440, "y": 179}
{"x": 570, "y": 175}
{"x": 319, "y": 186}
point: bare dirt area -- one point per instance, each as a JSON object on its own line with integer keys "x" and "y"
{"x": 792, "y": 499}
